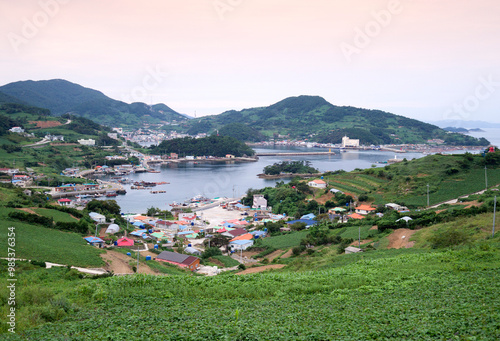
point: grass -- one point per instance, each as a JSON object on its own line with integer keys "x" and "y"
{"x": 227, "y": 261}
{"x": 285, "y": 241}
{"x": 390, "y": 295}
{"x": 58, "y": 216}
{"x": 44, "y": 244}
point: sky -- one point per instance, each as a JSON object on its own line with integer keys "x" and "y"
{"x": 424, "y": 59}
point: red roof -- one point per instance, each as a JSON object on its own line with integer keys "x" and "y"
{"x": 356, "y": 216}
{"x": 246, "y": 236}
{"x": 124, "y": 241}
{"x": 237, "y": 232}
{"x": 64, "y": 200}
{"x": 365, "y": 208}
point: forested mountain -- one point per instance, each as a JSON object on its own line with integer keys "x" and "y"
{"x": 213, "y": 145}
{"x": 312, "y": 117}
{"x": 61, "y": 97}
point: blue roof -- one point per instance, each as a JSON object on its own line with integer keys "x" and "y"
{"x": 240, "y": 242}
{"x": 94, "y": 240}
{"x": 308, "y": 216}
{"x": 305, "y": 221}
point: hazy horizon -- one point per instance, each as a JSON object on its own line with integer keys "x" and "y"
{"x": 420, "y": 59}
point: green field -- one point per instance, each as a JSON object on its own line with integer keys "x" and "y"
{"x": 407, "y": 295}
{"x": 285, "y": 241}
{"x": 50, "y": 245}
{"x": 56, "y": 215}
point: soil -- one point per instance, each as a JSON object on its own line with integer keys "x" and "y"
{"x": 119, "y": 263}
{"x": 324, "y": 198}
{"x": 28, "y": 210}
{"x": 374, "y": 227}
{"x": 46, "y": 124}
{"x": 274, "y": 254}
{"x": 400, "y": 238}
{"x": 363, "y": 241}
{"x": 261, "y": 269}
{"x": 287, "y": 254}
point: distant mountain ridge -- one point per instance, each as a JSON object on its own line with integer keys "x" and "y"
{"x": 61, "y": 97}
{"x": 315, "y": 119}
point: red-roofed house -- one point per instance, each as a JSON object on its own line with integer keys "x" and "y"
{"x": 124, "y": 241}
{"x": 365, "y": 209}
{"x": 317, "y": 184}
{"x": 246, "y": 236}
{"x": 355, "y": 216}
{"x": 64, "y": 201}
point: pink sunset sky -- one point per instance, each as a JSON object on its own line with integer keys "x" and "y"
{"x": 425, "y": 59}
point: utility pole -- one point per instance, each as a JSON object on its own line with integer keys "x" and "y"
{"x": 427, "y": 195}
{"x": 494, "y": 216}
{"x": 485, "y": 178}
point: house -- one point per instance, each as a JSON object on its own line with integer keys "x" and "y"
{"x": 317, "y": 184}
{"x": 240, "y": 245}
{"x": 259, "y": 202}
{"x": 355, "y": 216}
{"x": 184, "y": 261}
{"x": 98, "y": 218}
{"x": 347, "y": 142}
{"x": 64, "y": 202}
{"x": 235, "y": 233}
{"x": 230, "y": 156}
{"x": 124, "y": 242}
{"x": 174, "y": 156}
{"x": 95, "y": 241}
{"x": 246, "y": 236}
{"x": 365, "y": 209}
{"x": 352, "y": 249}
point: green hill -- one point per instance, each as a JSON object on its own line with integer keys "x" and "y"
{"x": 61, "y": 97}
{"x": 312, "y": 117}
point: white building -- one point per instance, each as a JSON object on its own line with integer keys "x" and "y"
{"x": 16, "y": 130}
{"x": 259, "y": 202}
{"x": 89, "y": 142}
{"x": 240, "y": 245}
{"x": 347, "y": 142}
{"x": 317, "y": 184}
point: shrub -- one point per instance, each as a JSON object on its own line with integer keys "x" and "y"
{"x": 449, "y": 237}
{"x": 242, "y": 266}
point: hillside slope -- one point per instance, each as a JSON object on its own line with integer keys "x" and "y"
{"x": 312, "y": 117}
{"x": 61, "y": 97}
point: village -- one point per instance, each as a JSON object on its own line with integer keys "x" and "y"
{"x": 222, "y": 222}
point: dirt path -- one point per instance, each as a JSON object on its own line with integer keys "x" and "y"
{"x": 274, "y": 254}
{"x": 287, "y": 254}
{"x": 261, "y": 268}
{"x": 400, "y": 238}
{"x": 28, "y": 210}
{"x": 119, "y": 263}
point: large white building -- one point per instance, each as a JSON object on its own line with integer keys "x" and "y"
{"x": 347, "y": 142}
{"x": 259, "y": 202}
